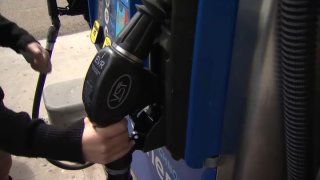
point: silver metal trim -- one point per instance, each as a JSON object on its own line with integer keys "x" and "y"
{"x": 49, "y": 46}
{"x": 126, "y": 54}
{"x": 211, "y": 162}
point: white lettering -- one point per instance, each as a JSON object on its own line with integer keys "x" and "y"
{"x": 99, "y": 62}
{"x": 167, "y": 176}
{"x": 152, "y": 157}
{"x": 119, "y": 92}
{"x": 163, "y": 166}
{"x": 159, "y": 167}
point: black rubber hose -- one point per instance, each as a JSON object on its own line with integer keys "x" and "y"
{"x": 297, "y": 45}
{"x": 51, "y": 39}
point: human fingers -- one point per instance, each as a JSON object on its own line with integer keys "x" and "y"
{"x": 41, "y": 60}
{"x": 47, "y": 62}
{"x": 119, "y": 154}
{"x": 113, "y": 153}
{"x": 116, "y": 143}
{"x": 114, "y": 129}
{"x": 87, "y": 120}
{"x": 34, "y": 49}
{"x": 99, "y": 150}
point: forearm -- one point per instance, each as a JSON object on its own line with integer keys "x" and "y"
{"x": 13, "y": 36}
{"x": 58, "y": 143}
{"x": 19, "y": 135}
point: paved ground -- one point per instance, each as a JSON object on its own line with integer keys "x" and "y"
{"x": 33, "y": 16}
{"x": 71, "y": 58}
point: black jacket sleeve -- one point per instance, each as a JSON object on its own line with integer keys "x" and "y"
{"x": 21, "y": 136}
{"x": 11, "y": 35}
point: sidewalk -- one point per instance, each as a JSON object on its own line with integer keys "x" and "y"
{"x": 71, "y": 57}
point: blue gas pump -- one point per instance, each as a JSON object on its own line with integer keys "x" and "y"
{"x": 196, "y": 109}
{"x": 208, "y": 73}
{"x": 107, "y": 18}
{"x": 218, "y": 89}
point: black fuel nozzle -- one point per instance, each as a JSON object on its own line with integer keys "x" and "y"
{"x": 145, "y": 122}
{"x": 138, "y": 35}
{"x": 117, "y": 83}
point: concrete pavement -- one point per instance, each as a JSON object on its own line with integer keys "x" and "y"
{"x": 33, "y": 16}
{"x": 71, "y": 58}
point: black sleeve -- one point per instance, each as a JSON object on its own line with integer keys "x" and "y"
{"x": 21, "y": 136}
{"x": 11, "y": 35}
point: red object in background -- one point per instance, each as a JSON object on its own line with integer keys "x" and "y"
{"x": 126, "y": 18}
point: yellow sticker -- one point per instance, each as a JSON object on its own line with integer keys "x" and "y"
{"x": 107, "y": 42}
{"x": 95, "y": 31}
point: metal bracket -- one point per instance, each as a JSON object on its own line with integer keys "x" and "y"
{"x": 212, "y": 162}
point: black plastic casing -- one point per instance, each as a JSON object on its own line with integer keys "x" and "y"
{"x": 116, "y": 83}
{"x": 139, "y": 34}
{"x": 115, "y": 86}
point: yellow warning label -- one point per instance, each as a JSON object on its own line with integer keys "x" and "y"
{"x": 95, "y": 31}
{"x": 107, "y": 42}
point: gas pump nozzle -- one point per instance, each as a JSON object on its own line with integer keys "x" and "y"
{"x": 117, "y": 83}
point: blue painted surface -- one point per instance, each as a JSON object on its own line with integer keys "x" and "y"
{"x": 132, "y": 7}
{"x": 209, "y": 174}
{"x": 122, "y": 16}
{"x": 93, "y": 11}
{"x": 159, "y": 165}
{"x": 112, "y": 17}
{"x": 126, "y": 2}
{"x": 210, "y": 72}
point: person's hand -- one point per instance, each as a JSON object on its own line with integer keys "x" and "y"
{"x": 41, "y": 61}
{"x": 104, "y": 145}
